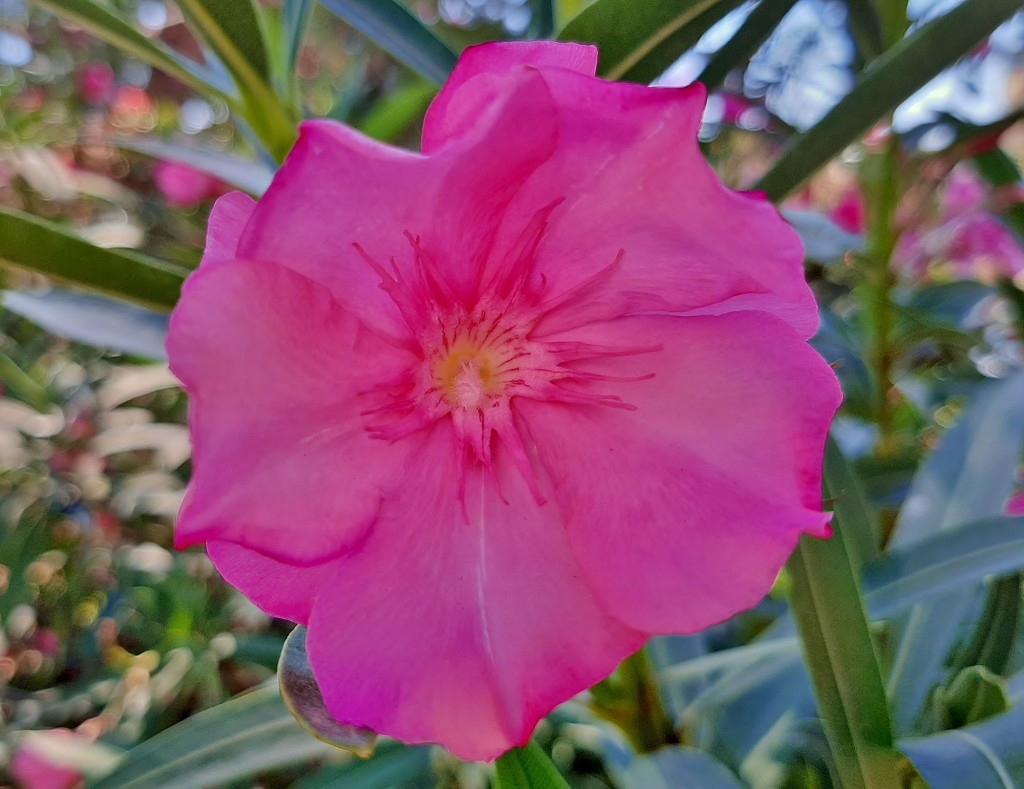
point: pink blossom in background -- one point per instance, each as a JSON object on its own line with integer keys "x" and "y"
{"x": 848, "y": 213}
{"x": 96, "y": 83}
{"x": 964, "y": 241}
{"x": 1016, "y": 504}
{"x": 33, "y": 766}
{"x": 487, "y": 417}
{"x": 183, "y": 186}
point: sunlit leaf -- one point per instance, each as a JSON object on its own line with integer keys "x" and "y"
{"x": 528, "y": 768}
{"x": 883, "y": 85}
{"x": 303, "y": 697}
{"x": 637, "y": 42}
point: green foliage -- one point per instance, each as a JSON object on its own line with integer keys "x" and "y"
{"x": 901, "y": 635}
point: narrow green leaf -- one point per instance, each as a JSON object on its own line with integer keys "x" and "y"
{"x": 109, "y": 27}
{"x": 396, "y": 30}
{"x": 974, "y": 695}
{"x": 738, "y": 50}
{"x": 866, "y": 28}
{"x": 32, "y": 243}
{"x": 250, "y": 176}
{"x": 23, "y": 386}
{"x": 542, "y": 25}
{"x": 94, "y": 320}
{"x": 233, "y": 31}
{"x": 296, "y": 19}
{"x": 528, "y": 768}
{"x": 234, "y": 24}
{"x": 674, "y": 768}
{"x": 969, "y": 476}
{"x": 987, "y": 755}
{"x": 842, "y": 663}
{"x": 637, "y": 42}
{"x": 883, "y": 85}
{"x": 392, "y": 116}
{"x": 249, "y": 734}
{"x": 393, "y": 766}
{"x": 862, "y": 533}
{"x": 840, "y": 655}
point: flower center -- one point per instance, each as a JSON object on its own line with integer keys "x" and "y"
{"x": 468, "y": 376}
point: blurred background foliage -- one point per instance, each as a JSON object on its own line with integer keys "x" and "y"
{"x": 890, "y": 134}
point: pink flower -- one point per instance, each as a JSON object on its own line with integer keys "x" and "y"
{"x": 96, "y": 83}
{"x": 488, "y": 417}
{"x": 33, "y": 765}
{"x": 183, "y": 186}
{"x": 965, "y": 242}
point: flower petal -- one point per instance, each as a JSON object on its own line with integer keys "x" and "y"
{"x": 460, "y": 628}
{"x": 286, "y": 591}
{"x": 686, "y": 509}
{"x": 228, "y": 219}
{"x": 338, "y": 189}
{"x": 457, "y": 107}
{"x": 274, "y": 367}
{"x": 629, "y": 166}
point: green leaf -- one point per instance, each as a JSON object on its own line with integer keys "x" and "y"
{"x": 969, "y": 476}
{"x": 302, "y": 696}
{"x": 944, "y": 564}
{"x": 250, "y": 176}
{"x": 109, "y": 27}
{"x": 542, "y": 25}
{"x": 23, "y": 386}
{"x": 394, "y": 114}
{"x": 987, "y": 755}
{"x": 839, "y": 652}
{"x": 393, "y": 766}
{"x": 32, "y": 243}
{"x": 738, "y": 50}
{"x": 974, "y": 695}
{"x": 528, "y": 768}
{"x": 396, "y": 30}
{"x": 862, "y": 533}
{"x": 94, "y": 320}
{"x": 232, "y": 28}
{"x": 673, "y": 768}
{"x": 249, "y": 734}
{"x": 865, "y": 28}
{"x": 637, "y": 42}
{"x": 889, "y": 80}
{"x": 296, "y": 19}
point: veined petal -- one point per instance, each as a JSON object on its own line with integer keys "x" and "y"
{"x": 457, "y": 108}
{"x": 683, "y": 511}
{"x": 461, "y": 627}
{"x": 341, "y": 198}
{"x": 286, "y": 591}
{"x": 634, "y": 182}
{"x": 273, "y": 366}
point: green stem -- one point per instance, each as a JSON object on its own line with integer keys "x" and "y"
{"x": 881, "y": 192}
{"x": 528, "y": 768}
{"x": 841, "y": 659}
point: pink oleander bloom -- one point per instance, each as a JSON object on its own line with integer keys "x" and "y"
{"x": 183, "y": 186}
{"x": 96, "y": 83}
{"x": 34, "y": 766}
{"x": 964, "y": 242}
{"x": 488, "y": 417}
